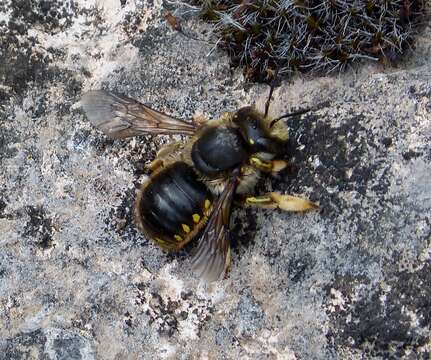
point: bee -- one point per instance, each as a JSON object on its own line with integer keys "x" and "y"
{"x": 192, "y": 184}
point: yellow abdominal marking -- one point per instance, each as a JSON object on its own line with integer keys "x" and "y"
{"x": 186, "y": 228}
{"x": 178, "y": 237}
{"x": 196, "y": 218}
{"x": 207, "y": 204}
{"x": 251, "y": 141}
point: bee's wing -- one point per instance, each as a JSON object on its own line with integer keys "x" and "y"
{"x": 212, "y": 256}
{"x": 118, "y": 116}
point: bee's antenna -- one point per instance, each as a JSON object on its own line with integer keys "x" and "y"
{"x": 268, "y": 101}
{"x": 295, "y": 113}
{"x": 318, "y": 106}
{"x": 272, "y": 85}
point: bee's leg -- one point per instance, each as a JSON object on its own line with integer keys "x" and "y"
{"x": 163, "y": 154}
{"x": 199, "y": 120}
{"x": 154, "y": 165}
{"x": 273, "y": 166}
{"x": 275, "y": 200}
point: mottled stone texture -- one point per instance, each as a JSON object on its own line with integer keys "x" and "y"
{"x": 77, "y": 281}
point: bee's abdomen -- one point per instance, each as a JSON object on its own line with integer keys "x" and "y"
{"x": 218, "y": 150}
{"x": 172, "y": 206}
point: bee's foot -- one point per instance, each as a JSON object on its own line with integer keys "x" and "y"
{"x": 292, "y": 203}
{"x": 275, "y": 200}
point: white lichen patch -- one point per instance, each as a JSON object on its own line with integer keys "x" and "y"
{"x": 337, "y": 301}
{"x": 96, "y": 40}
{"x": 172, "y": 309}
{"x": 267, "y": 344}
{"x": 425, "y": 254}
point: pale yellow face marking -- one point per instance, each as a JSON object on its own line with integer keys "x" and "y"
{"x": 251, "y": 141}
{"x": 196, "y": 218}
{"x": 263, "y": 165}
{"x": 207, "y": 204}
{"x": 186, "y": 228}
{"x": 178, "y": 237}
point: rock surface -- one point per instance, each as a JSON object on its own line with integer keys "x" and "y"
{"x": 77, "y": 281}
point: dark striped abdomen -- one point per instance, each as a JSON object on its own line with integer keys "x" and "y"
{"x": 172, "y": 206}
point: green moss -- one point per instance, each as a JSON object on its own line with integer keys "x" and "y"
{"x": 311, "y": 35}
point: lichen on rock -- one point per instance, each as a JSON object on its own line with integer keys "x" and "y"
{"x": 77, "y": 280}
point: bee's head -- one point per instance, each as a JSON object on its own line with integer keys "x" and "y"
{"x": 255, "y": 130}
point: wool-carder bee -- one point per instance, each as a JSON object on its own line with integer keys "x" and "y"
{"x": 192, "y": 184}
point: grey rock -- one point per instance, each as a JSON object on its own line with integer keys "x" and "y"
{"x": 78, "y": 281}
{"x": 48, "y": 343}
